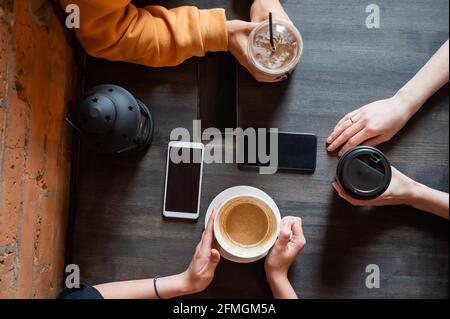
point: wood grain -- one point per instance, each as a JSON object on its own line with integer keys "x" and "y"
{"x": 119, "y": 232}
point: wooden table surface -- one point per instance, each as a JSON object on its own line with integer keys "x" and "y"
{"x": 118, "y": 232}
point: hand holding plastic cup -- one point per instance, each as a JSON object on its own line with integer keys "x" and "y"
{"x": 275, "y": 47}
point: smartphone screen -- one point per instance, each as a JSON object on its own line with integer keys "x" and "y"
{"x": 183, "y": 182}
{"x": 296, "y": 151}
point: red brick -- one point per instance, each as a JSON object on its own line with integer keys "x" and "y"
{"x": 52, "y": 202}
{"x": 39, "y": 119}
{"x": 2, "y": 115}
{"x": 7, "y": 277}
{"x": 30, "y": 236}
{"x": 35, "y": 168}
{"x": 33, "y": 212}
{"x": 24, "y": 53}
{"x": 43, "y": 283}
{"x": 4, "y": 45}
{"x": 12, "y": 170}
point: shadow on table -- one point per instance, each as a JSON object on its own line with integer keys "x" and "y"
{"x": 435, "y": 106}
{"x": 100, "y": 199}
{"x": 352, "y": 229}
{"x": 238, "y": 281}
{"x": 259, "y": 103}
{"x": 241, "y": 9}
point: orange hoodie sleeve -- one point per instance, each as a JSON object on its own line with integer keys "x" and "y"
{"x": 152, "y": 35}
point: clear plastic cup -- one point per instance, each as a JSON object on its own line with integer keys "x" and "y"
{"x": 286, "y": 53}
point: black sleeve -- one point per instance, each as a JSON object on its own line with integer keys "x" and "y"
{"x": 84, "y": 292}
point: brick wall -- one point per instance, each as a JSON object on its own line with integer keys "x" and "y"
{"x": 36, "y": 77}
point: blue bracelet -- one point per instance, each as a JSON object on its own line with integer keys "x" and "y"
{"x": 154, "y": 287}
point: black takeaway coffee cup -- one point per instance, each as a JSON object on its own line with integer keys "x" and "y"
{"x": 364, "y": 172}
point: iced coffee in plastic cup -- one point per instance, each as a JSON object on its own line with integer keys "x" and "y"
{"x": 279, "y": 56}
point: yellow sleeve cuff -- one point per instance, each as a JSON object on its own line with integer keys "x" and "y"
{"x": 213, "y": 26}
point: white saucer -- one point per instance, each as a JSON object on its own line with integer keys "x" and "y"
{"x": 241, "y": 191}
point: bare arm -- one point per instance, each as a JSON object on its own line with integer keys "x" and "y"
{"x": 378, "y": 122}
{"x": 288, "y": 246}
{"x": 196, "y": 278}
{"x": 431, "y": 77}
{"x": 168, "y": 287}
{"x": 430, "y": 200}
{"x": 404, "y": 191}
{"x": 281, "y": 287}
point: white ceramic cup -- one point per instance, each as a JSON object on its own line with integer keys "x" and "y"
{"x": 241, "y": 252}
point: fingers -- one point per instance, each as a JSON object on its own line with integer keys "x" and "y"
{"x": 259, "y": 12}
{"x": 338, "y": 130}
{"x": 297, "y": 231}
{"x": 238, "y": 38}
{"x": 259, "y": 76}
{"x": 341, "y": 192}
{"x": 347, "y": 117}
{"x": 337, "y": 187}
{"x": 240, "y": 26}
{"x": 346, "y": 135}
{"x": 396, "y": 172}
{"x": 250, "y": 26}
{"x": 285, "y": 232}
{"x": 215, "y": 244}
{"x": 374, "y": 141}
{"x": 208, "y": 234}
{"x": 210, "y": 226}
{"x": 357, "y": 139}
{"x": 214, "y": 260}
{"x": 215, "y": 256}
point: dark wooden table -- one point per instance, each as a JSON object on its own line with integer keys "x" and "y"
{"x": 118, "y": 232}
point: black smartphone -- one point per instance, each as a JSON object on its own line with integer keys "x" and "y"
{"x": 217, "y": 97}
{"x": 296, "y": 151}
{"x": 183, "y": 180}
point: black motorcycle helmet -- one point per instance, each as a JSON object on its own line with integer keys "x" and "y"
{"x": 112, "y": 121}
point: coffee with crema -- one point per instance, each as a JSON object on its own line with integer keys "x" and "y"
{"x": 247, "y": 222}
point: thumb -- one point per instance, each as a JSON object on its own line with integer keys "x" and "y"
{"x": 244, "y": 25}
{"x": 250, "y": 25}
{"x": 285, "y": 234}
{"x": 215, "y": 256}
{"x": 214, "y": 259}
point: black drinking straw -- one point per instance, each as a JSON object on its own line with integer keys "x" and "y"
{"x": 271, "y": 31}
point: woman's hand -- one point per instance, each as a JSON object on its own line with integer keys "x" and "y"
{"x": 280, "y": 258}
{"x": 370, "y": 125}
{"x": 377, "y": 122}
{"x": 200, "y": 272}
{"x": 238, "y": 33}
{"x": 404, "y": 191}
{"x": 260, "y": 9}
{"x": 400, "y": 191}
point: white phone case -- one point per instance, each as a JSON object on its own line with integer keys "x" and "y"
{"x": 183, "y": 215}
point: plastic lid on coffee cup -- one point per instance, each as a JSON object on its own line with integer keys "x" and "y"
{"x": 364, "y": 172}
{"x": 287, "y": 50}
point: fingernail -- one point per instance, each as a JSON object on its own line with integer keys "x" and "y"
{"x": 330, "y": 148}
{"x": 329, "y": 139}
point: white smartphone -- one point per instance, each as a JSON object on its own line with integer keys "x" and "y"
{"x": 183, "y": 185}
